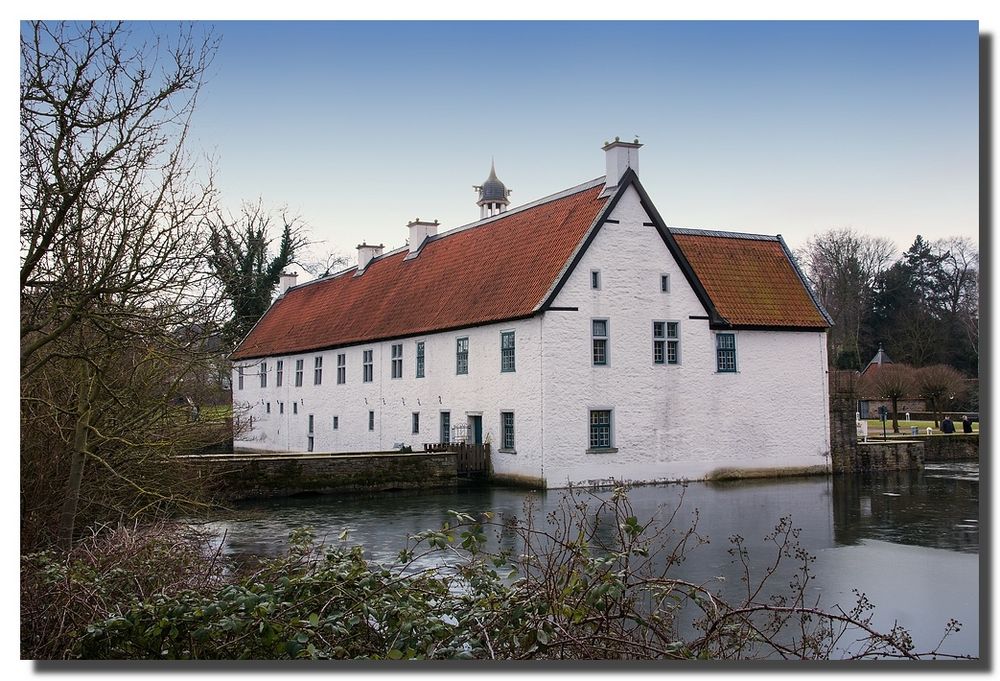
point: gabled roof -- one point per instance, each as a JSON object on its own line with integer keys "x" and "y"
{"x": 513, "y": 265}
{"x": 493, "y": 270}
{"x": 751, "y": 280}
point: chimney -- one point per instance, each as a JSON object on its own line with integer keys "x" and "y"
{"x": 286, "y": 281}
{"x": 366, "y": 254}
{"x": 419, "y": 231}
{"x": 620, "y": 156}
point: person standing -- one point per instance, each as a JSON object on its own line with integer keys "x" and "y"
{"x": 947, "y": 426}
{"x": 966, "y": 424}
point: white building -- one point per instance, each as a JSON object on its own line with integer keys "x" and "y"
{"x": 578, "y": 334}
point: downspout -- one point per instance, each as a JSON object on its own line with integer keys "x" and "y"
{"x": 541, "y": 391}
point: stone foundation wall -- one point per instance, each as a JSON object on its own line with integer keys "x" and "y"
{"x": 951, "y": 448}
{"x": 891, "y": 455}
{"x": 262, "y": 476}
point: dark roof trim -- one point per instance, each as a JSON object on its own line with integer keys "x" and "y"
{"x": 630, "y": 179}
{"x": 372, "y": 341}
{"x": 805, "y": 282}
{"x": 647, "y": 204}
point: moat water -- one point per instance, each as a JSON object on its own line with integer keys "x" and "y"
{"x": 909, "y": 541}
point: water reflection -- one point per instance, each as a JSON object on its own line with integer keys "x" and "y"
{"x": 892, "y": 536}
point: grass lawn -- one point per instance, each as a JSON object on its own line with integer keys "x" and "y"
{"x": 875, "y": 427}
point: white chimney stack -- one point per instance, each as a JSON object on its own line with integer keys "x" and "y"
{"x": 419, "y": 231}
{"x": 286, "y": 281}
{"x": 366, "y": 254}
{"x": 620, "y": 156}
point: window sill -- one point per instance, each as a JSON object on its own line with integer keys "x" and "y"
{"x": 507, "y": 451}
{"x": 603, "y": 450}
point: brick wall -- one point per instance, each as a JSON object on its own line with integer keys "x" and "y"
{"x": 951, "y": 448}
{"x": 262, "y": 476}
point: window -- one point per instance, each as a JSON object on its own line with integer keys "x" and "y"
{"x": 263, "y": 374}
{"x": 397, "y": 360}
{"x": 507, "y": 430}
{"x": 416, "y": 422}
{"x": 279, "y": 372}
{"x": 268, "y": 407}
{"x": 666, "y": 343}
{"x": 336, "y": 423}
{"x": 318, "y": 370}
{"x": 240, "y": 380}
{"x": 281, "y": 407}
{"x": 295, "y": 407}
{"x": 725, "y": 352}
{"x": 673, "y": 343}
{"x": 595, "y": 279}
{"x": 371, "y": 420}
{"x": 600, "y": 428}
{"x": 600, "y": 340}
{"x": 507, "y": 351}
{"x": 311, "y": 436}
{"x": 366, "y": 366}
{"x": 445, "y": 427}
{"x": 420, "y": 359}
{"x": 341, "y": 369}
{"x": 462, "y": 356}
{"x": 665, "y": 283}
{"x": 298, "y": 372}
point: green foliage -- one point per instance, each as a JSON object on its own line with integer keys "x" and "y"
{"x": 590, "y": 582}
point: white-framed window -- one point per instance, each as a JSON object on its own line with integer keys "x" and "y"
{"x": 281, "y": 407}
{"x": 371, "y": 420}
{"x": 601, "y": 433}
{"x": 725, "y": 353}
{"x": 367, "y": 366}
{"x": 666, "y": 343}
{"x": 268, "y": 407}
{"x": 295, "y": 407}
{"x": 416, "y": 422}
{"x": 279, "y": 372}
{"x": 318, "y": 370}
{"x": 507, "y": 351}
{"x": 341, "y": 368}
{"x": 263, "y": 374}
{"x": 595, "y": 280}
{"x": 664, "y": 283}
{"x": 420, "y": 359}
{"x": 462, "y": 355}
{"x": 599, "y": 334}
{"x": 507, "y": 430}
{"x": 239, "y": 378}
{"x": 299, "y": 363}
{"x": 336, "y": 423}
{"x": 311, "y": 435}
{"x": 397, "y": 360}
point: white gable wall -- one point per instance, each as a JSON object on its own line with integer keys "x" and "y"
{"x": 484, "y": 390}
{"x": 670, "y": 422}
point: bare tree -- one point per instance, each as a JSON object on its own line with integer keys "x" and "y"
{"x": 842, "y": 267}
{"x": 890, "y": 382}
{"x": 111, "y": 250}
{"x": 940, "y": 385}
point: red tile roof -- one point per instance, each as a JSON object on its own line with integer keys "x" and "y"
{"x": 750, "y": 279}
{"x": 488, "y": 273}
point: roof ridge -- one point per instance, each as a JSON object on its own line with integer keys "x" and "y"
{"x": 582, "y": 187}
{"x": 723, "y": 234}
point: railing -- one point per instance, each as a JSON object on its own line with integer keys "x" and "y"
{"x": 472, "y": 459}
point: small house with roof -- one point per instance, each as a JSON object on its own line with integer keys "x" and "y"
{"x": 578, "y": 334}
{"x": 869, "y": 405}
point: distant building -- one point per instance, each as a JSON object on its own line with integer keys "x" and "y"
{"x": 868, "y": 405}
{"x": 578, "y": 334}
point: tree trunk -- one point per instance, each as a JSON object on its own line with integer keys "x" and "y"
{"x": 895, "y": 417}
{"x": 78, "y": 457}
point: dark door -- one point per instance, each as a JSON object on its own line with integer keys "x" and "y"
{"x": 477, "y": 429}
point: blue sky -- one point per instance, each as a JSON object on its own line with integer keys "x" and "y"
{"x": 770, "y": 127}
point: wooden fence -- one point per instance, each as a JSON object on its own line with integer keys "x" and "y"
{"x": 472, "y": 459}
